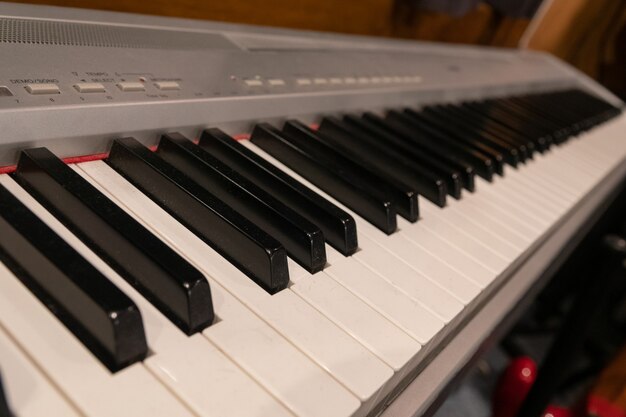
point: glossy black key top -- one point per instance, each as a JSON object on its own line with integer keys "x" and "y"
{"x": 338, "y": 227}
{"x": 513, "y": 121}
{"x": 243, "y": 243}
{"x": 526, "y": 146}
{"x": 339, "y": 136}
{"x": 303, "y": 240}
{"x": 173, "y": 285}
{"x": 478, "y": 152}
{"x": 4, "y": 404}
{"x": 463, "y": 138}
{"x": 370, "y": 202}
{"x": 513, "y": 153}
{"x": 403, "y": 196}
{"x": 424, "y": 134}
{"x": 398, "y": 148}
{"x": 87, "y": 303}
{"x": 558, "y": 133}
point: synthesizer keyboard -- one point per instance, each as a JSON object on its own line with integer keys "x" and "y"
{"x": 202, "y": 219}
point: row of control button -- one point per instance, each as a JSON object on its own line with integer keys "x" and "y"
{"x": 127, "y": 86}
{"x": 274, "y": 82}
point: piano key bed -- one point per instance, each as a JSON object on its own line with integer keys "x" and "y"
{"x": 195, "y": 279}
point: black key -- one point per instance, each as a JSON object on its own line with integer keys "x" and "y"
{"x": 516, "y": 122}
{"x": 453, "y": 116}
{"x": 398, "y": 148}
{"x": 375, "y": 158}
{"x": 173, "y": 285}
{"x": 463, "y": 138}
{"x": 244, "y": 244}
{"x": 547, "y": 127}
{"x": 370, "y": 202}
{"x": 499, "y": 129}
{"x": 303, "y": 240}
{"x": 339, "y": 227}
{"x": 473, "y": 149}
{"x": 539, "y": 111}
{"x": 4, "y": 404}
{"x": 598, "y": 110}
{"x": 403, "y": 196}
{"x": 425, "y": 136}
{"x": 104, "y": 319}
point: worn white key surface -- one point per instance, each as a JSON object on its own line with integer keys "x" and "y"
{"x": 27, "y": 390}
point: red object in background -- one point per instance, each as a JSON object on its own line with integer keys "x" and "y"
{"x": 553, "y": 411}
{"x": 601, "y": 407}
{"x": 513, "y": 387}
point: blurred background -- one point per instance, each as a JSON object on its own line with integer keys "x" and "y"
{"x": 589, "y": 34}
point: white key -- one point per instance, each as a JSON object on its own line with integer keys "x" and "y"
{"x": 347, "y": 360}
{"x": 79, "y": 375}
{"x": 551, "y": 196}
{"x": 352, "y": 314}
{"x": 541, "y": 202}
{"x": 434, "y": 297}
{"x": 187, "y": 365}
{"x": 481, "y": 205}
{"x": 282, "y": 369}
{"x": 383, "y": 297}
{"x": 387, "y": 341}
{"x": 452, "y": 280}
{"x": 404, "y": 312}
{"x": 520, "y": 199}
{"x": 491, "y": 219}
{"x": 514, "y": 215}
{"x": 27, "y": 390}
{"x": 464, "y": 241}
{"x": 476, "y": 230}
{"x": 450, "y": 254}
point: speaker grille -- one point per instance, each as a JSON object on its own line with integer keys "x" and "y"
{"x": 49, "y": 32}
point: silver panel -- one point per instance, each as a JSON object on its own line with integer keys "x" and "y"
{"x": 109, "y": 48}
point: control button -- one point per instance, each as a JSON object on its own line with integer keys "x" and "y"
{"x": 276, "y": 82}
{"x": 387, "y": 80}
{"x": 43, "y": 89}
{"x": 336, "y": 81}
{"x": 350, "y": 80}
{"x": 303, "y": 81}
{"x": 375, "y": 80}
{"x": 320, "y": 81}
{"x": 128, "y": 86}
{"x": 363, "y": 80}
{"x": 89, "y": 88}
{"x": 253, "y": 83}
{"x": 167, "y": 85}
{"x": 5, "y": 92}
